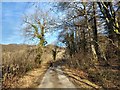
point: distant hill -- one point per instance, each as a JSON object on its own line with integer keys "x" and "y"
{"x": 14, "y": 47}
{"x": 18, "y": 47}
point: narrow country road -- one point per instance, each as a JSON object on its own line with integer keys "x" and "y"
{"x": 54, "y": 78}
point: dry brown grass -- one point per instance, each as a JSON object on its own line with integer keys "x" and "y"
{"x": 16, "y": 61}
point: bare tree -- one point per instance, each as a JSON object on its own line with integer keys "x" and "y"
{"x": 35, "y": 27}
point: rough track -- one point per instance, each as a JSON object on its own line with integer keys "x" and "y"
{"x": 54, "y": 78}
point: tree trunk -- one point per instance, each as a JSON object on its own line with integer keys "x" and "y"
{"x": 95, "y": 57}
{"x": 95, "y": 37}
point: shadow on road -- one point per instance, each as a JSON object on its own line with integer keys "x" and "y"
{"x": 59, "y": 62}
